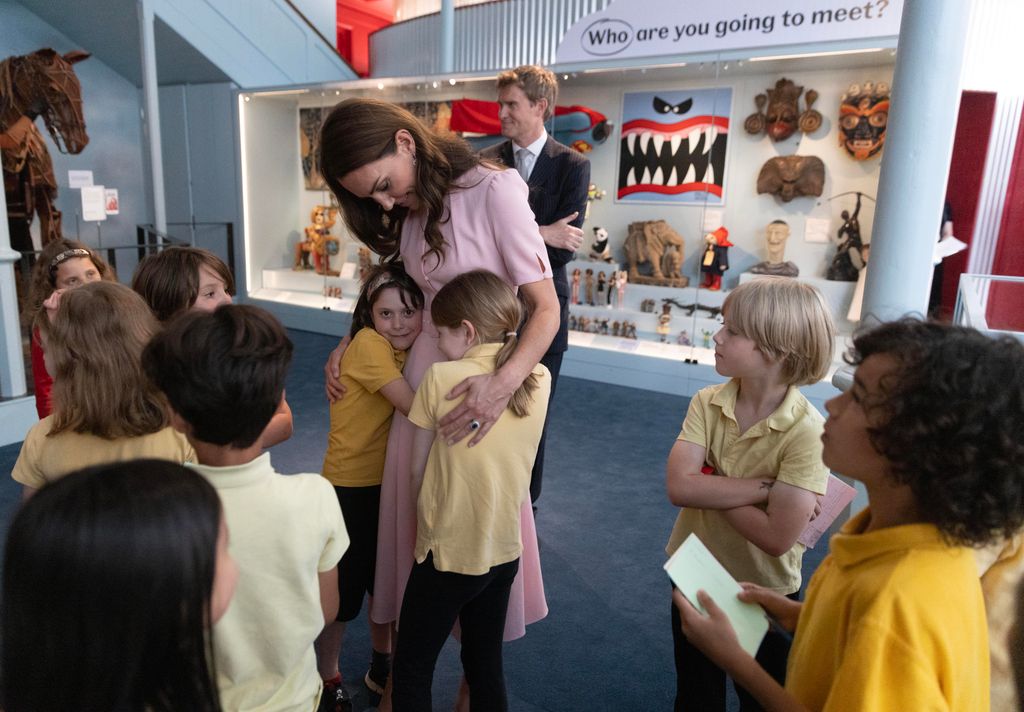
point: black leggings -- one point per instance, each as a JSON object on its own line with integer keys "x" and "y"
{"x": 433, "y": 601}
{"x": 700, "y": 684}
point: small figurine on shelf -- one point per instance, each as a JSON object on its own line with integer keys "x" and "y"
{"x": 684, "y": 338}
{"x": 588, "y": 286}
{"x": 621, "y": 278}
{"x": 593, "y": 193}
{"x": 602, "y": 327}
{"x": 615, "y": 328}
{"x": 707, "y": 337}
{"x": 365, "y": 263}
{"x": 319, "y": 242}
{"x": 599, "y": 249}
{"x": 631, "y": 334}
{"x": 572, "y": 322}
{"x": 576, "y": 286}
{"x": 602, "y": 287}
{"x": 584, "y": 323}
{"x": 716, "y": 258}
{"x": 664, "y": 319}
{"x": 847, "y": 262}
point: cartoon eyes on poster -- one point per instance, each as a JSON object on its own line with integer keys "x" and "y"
{"x": 673, "y": 146}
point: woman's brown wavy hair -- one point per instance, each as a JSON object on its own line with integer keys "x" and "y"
{"x": 360, "y": 131}
{"x": 95, "y": 342}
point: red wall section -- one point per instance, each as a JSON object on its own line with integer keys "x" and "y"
{"x": 966, "y": 171}
{"x": 357, "y": 20}
{"x": 1006, "y": 304}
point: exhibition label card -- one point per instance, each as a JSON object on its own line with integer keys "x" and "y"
{"x": 79, "y": 179}
{"x": 816, "y": 230}
{"x": 693, "y": 568}
{"x": 94, "y": 203}
{"x": 837, "y": 495}
{"x": 113, "y": 202}
{"x": 348, "y": 270}
{"x": 712, "y": 220}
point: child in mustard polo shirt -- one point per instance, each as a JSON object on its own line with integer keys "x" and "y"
{"x": 895, "y": 614}
{"x": 468, "y": 538}
{"x": 760, "y": 438}
{"x": 388, "y": 317}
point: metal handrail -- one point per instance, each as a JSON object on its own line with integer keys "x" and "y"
{"x": 147, "y": 236}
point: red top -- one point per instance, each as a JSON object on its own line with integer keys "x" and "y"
{"x": 43, "y": 381}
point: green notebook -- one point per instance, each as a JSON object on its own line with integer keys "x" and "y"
{"x": 693, "y": 568}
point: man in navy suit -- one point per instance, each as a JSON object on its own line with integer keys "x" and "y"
{"x": 558, "y": 178}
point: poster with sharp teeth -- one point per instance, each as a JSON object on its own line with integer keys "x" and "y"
{"x": 672, "y": 147}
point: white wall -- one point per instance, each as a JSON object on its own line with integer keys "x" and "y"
{"x": 111, "y": 109}
{"x": 274, "y": 176}
{"x": 745, "y": 213}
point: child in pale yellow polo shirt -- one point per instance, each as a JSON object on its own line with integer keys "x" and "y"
{"x": 760, "y": 438}
{"x": 105, "y": 410}
{"x": 468, "y": 539}
{"x": 895, "y": 614}
{"x": 388, "y": 317}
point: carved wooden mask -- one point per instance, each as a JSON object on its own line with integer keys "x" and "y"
{"x": 788, "y": 177}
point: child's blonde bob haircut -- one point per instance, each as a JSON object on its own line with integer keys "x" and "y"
{"x": 788, "y": 321}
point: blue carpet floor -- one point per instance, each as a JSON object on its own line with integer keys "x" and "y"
{"x": 603, "y": 520}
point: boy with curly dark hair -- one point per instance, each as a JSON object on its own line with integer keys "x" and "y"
{"x": 894, "y": 617}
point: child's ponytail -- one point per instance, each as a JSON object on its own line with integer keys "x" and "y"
{"x": 489, "y": 304}
{"x": 523, "y": 396}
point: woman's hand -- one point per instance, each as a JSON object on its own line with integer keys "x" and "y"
{"x": 712, "y": 633}
{"x": 486, "y": 398}
{"x": 784, "y": 610}
{"x": 332, "y": 372}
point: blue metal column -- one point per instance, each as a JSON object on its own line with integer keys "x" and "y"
{"x": 447, "y": 36}
{"x": 150, "y": 90}
{"x": 12, "y": 366}
{"x": 915, "y": 166}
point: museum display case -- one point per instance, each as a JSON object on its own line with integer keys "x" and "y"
{"x": 705, "y": 172}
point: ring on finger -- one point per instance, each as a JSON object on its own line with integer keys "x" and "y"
{"x": 474, "y": 424}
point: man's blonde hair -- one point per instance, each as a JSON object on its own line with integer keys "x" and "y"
{"x": 536, "y": 82}
{"x": 788, "y": 321}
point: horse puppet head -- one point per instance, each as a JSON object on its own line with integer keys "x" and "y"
{"x": 43, "y": 83}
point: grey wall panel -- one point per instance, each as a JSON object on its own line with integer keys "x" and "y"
{"x": 488, "y": 37}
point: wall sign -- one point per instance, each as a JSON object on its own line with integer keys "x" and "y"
{"x": 651, "y": 28}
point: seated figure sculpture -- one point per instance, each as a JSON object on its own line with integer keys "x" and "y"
{"x": 654, "y": 243}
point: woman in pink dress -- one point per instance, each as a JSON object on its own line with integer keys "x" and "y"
{"x": 406, "y": 191}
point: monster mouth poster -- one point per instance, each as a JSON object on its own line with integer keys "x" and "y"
{"x": 673, "y": 145}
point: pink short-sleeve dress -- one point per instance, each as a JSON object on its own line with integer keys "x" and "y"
{"x": 491, "y": 227}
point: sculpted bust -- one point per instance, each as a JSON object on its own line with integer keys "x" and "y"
{"x": 776, "y": 234}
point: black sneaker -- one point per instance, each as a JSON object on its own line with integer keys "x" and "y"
{"x": 375, "y": 680}
{"x": 334, "y": 698}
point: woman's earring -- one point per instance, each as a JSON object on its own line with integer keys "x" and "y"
{"x": 414, "y": 159}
